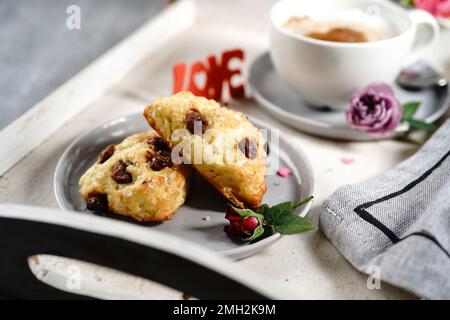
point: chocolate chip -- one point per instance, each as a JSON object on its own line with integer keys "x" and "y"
{"x": 158, "y": 161}
{"x": 106, "y": 153}
{"x": 193, "y": 120}
{"x": 97, "y": 202}
{"x": 159, "y": 155}
{"x": 248, "y": 147}
{"x": 158, "y": 144}
{"x": 119, "y": 173}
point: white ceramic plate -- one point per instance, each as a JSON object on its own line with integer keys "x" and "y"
{"x": 286, "y": 105}
{"x": 190, "y": 222}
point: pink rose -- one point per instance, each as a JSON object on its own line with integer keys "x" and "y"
{"x": 438, "y": 8}
{"x": 375, "y": 110}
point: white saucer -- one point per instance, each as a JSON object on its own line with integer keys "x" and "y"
{"x": 288, "y": 106}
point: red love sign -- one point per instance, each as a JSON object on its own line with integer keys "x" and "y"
{"x": 216, "y": 74}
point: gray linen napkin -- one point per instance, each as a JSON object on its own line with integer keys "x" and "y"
{"x": 399, "y": 222}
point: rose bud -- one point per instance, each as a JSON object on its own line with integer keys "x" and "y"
{"x": 232, "y": 215}
{"x": 244, "y": 224}
{"x": 375, "y": 110}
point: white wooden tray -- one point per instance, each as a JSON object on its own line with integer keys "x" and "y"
{"x": 132, "y": 74}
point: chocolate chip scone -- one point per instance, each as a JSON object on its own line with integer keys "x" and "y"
{"x": 231, "y": 154}
{"x": 136, "y": 178}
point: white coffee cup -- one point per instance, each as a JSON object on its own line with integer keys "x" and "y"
{"x": 326, "y": 73}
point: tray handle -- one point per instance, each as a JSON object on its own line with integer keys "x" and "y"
{"x": 27, "y": 231}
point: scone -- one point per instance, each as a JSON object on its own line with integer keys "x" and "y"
{"x": 231, "y": 155}
{"x": 136, "y": 178}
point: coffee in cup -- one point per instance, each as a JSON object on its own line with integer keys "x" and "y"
{"x": 328, "y": 49}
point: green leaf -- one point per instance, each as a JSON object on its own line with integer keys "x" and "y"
{"x": 417, "y": 124}
{"x": 410, "y": 109}
{"x": 409, "y": 3}
{"x": 276, "y": 212}
{"x": 263, "y": 209}
{"x": 293, "y": 224}
{"x": 302, "y": 202}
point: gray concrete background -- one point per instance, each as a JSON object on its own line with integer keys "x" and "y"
{"x": 38, "y": 52}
